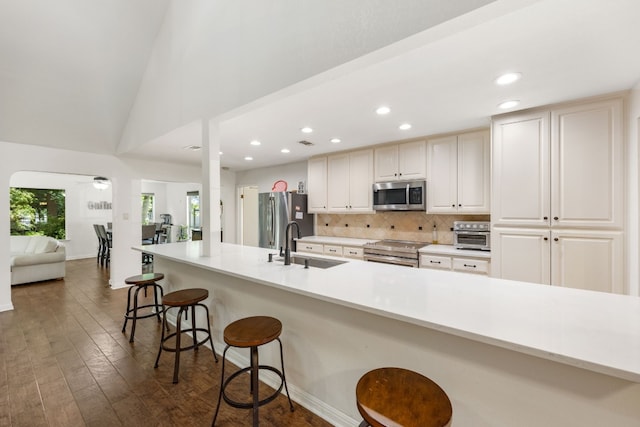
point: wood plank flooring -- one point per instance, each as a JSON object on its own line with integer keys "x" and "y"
{"x": 65, "y": 362}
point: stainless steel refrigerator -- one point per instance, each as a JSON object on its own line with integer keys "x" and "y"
{"x": 276, "y": 210}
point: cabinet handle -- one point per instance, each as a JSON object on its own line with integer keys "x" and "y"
{"x": 395, "y": 174}
{"x": 470, "y": 265}
{"x": 353, "y": 253}
{"x": 400, "y": 173}
{"x": 332, "y": 250}
{"x": 555, "y": 239}
{"x": 435, "y": 262}
{"x": 545, "y": 218}
{"x": 546, "y": 238}
{"x": 555, "y": 218}
{"x": 459, "y": 204}
{"x": 453, "y": 205}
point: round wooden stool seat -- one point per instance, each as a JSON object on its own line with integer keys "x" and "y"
{"x": 185, "y": 297}
{"x": 183, "y": 300}
{"x": 252, "y": 332}
{"x": 142, "y": 281}
{"x": 395, "y": 396}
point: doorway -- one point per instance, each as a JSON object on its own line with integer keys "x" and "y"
{"x": 248, "y": 215}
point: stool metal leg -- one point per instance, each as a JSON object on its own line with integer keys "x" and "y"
{"x": 164, "y": 324}
{"x": 135, "y": 312}
{"x": 213, "y": 349}
{"x": 284, "y": 379}
{"x": 255, "y": 367}
{"x": 126, "y": 313}
{"x": 193, "y": 327}
{"x": 224, "y": 359}
{"x": 176, "y": 366}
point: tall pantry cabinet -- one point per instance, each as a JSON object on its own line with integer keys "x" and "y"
{"x": 557, "y": 196}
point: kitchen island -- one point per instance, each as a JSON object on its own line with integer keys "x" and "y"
{"x": 507, "y": 353}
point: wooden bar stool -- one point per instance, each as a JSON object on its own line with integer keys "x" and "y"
{"x": 184, "y": 299}
{"x": 399, "y": 397}
{"x": 252, "y": 332}
{"x": 139, "y": 282}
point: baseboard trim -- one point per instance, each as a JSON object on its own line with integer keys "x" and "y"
{"x": 6, "y": 307}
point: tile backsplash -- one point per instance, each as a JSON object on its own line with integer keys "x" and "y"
{"x": 415, "y": 226}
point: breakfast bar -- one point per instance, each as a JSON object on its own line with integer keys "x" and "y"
{"x": 507, "y": 353}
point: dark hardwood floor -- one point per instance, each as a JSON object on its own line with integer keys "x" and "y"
{"x": 65, "y": 362}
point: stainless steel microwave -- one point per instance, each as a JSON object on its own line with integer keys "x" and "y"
{"x": 400, "y": 196}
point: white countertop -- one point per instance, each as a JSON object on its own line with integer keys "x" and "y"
{"x": 590, "y": 330}
{"x": 328, "y": 240}
{"x": 450, "y": 250}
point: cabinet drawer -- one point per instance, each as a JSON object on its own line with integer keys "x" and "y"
{"x": 471, "y": 265}
{"x": 432, "y": 261}
{"x": 333, "y": 250}
{"x": 310, "y": 247}
{"x": 351, "y": 252}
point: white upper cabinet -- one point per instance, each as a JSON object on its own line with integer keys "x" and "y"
{"x": 350, "y": 179}
{"x": 404, "y": 161}
{"x": 559, "y": 168}
{"x": 317, "y": 185}
{"x": 458, "y": 176}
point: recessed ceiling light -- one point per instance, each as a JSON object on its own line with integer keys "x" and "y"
{"x": 285, "y": 150}
{"x": 248, "y": 158}
{"x": 383, "y": 110}
{"x": 404, "y": 126}
{"x": 335, "y": 140}
{"x": 306, "y": 129}
{"x": 192, "y": 147}
{"x": 508, "y": 104}
{"x": 508, "y": 78}
{"x": 221, "y": 153}
{"x": 255, "y": 142}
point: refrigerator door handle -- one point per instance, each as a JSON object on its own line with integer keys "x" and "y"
{"x": 272, "y": 202}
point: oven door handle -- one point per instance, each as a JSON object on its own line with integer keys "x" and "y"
{"x": 391, "y": 260}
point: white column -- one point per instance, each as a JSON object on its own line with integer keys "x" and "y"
{"x": 210, "y": 197}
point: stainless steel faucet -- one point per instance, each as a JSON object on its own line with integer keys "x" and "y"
{"x": 287, "y": 249}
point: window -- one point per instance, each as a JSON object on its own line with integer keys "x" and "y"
{"x": 37, "y": 211}
{"x": 193, "y": 207}
{"x": 148, "y": 208}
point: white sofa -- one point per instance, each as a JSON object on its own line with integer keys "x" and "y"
{"x": 35, "y": 258}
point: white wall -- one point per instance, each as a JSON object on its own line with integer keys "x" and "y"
{"x": 264, "y": 178}
{"x": 81, "y": 241}
{"x": 211, "y": 57}
{"x": 125, "y": 175}
{"x": 632, "y": 241}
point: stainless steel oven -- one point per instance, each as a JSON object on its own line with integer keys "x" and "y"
{"x": 472, "y": 235}
{"x": 398, "y": 252}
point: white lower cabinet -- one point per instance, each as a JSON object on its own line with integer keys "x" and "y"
{"x": 583, "y": 259}
{"x": 353, "y": 252}
{"x": 455, "y": 263}
{"x": 316, "y": 248}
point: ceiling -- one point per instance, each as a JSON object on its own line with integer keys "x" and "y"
{"x": 565, "y": 49}
{"x": 441, "y": 80}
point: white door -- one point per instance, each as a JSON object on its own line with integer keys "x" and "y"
{"x": 520, "y": 175}
{"x": 361, "y": 181}
{"x": 587, "y": 165}
{"x": 338, "y": 183}
{"x": 386, "y": 163}
{"x": 587, "y": 260}
{"x": 317, "y": 185}
{"x": 442, "y": 175}
{"x": 474, "y": 173}
{"x": 412, "y": 160}
{"x": 521, "y": 254}
{"x": 249, "y": 216}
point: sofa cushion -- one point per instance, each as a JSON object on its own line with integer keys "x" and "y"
{"x": 33, "y": 259}
{"x": 46, "y": 245}
{"x": 31, "y": 246}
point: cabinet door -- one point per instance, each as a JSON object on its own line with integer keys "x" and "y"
{"x": 386, "y": 163}
{"x": 442, "y": 172}
{"x": 333, "y": 250}
{"x": 521, "y": 254}
{"x": 317, "y": 248}
{"x": 520, "y": 175}
{"x": 473, "y": 173}
{"x": 587, "y": 165}
{"x": 412, "y": 160}
{"x": 338, "y": 183}
{"x": 471, "y": 265}
{"x": 317, "y": 185}
{"x": 587, "y": 260}
{"x": 360, "y": 181}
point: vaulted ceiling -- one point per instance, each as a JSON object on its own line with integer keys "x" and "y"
{"x": 70, "y": 72}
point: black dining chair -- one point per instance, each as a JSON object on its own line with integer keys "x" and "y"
{"x": 106, "y": 245}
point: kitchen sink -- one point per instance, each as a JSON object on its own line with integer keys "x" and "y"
{"x": 313, "y": 262}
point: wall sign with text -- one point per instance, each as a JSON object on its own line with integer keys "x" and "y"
{"x": 99, "y": 205}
